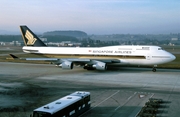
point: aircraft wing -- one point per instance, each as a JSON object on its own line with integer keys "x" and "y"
{"x": 67, "y": 63}
{"x": 51, "y": 59}
{"x": 34, "y": 59}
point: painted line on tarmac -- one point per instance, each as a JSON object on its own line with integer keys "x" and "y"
{"x": 101, "y": 102}
{"x": 106, "y": 99}
{"x": 125, "y": 101}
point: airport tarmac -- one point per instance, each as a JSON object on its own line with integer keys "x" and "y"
{"x": 120, "y": 92}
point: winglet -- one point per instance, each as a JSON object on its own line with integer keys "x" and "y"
{"x": 29, "y": 38}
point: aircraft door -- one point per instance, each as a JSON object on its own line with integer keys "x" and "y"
{"x": 148, "y": 57}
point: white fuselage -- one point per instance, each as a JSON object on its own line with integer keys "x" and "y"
{"x": 133, "y": 55}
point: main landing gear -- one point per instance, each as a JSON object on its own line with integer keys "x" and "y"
{"x": 154, "y": 68}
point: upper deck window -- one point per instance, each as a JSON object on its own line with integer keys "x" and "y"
{"x": 143, "y": 48}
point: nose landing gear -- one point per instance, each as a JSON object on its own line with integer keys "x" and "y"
{"x": 154, "y": 68}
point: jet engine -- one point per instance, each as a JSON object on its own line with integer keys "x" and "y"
{"x": 100, "y": 66}
{"x": 97, "y": 65}
{"x": 66, "y": 65}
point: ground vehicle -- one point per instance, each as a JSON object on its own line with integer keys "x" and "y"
{"x": 69, "y": 106}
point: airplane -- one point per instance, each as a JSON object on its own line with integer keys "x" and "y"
{"x": 91, "y": 58}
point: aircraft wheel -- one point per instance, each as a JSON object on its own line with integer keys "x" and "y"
{"x": 90, "y": 68}
{"x": 154, "y": 69}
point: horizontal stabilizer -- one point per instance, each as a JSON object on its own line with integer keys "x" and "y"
{"x": 13, "y": 56}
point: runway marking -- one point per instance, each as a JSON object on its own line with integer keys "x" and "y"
{"x": 129, "y": 97}
{"x": 125, "y": 101}
{"x": 101, "y": 102}
{"x": 106, "y": 99}
{"x": 152, "y": 95}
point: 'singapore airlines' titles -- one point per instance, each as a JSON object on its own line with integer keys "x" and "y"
{"x": 111, "y": 51}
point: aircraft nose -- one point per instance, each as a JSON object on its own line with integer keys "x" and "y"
{"x": 173, "y": 57}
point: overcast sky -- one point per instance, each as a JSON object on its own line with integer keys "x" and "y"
{"x": 92, "y": 16}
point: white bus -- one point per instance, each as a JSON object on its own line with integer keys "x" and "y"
{"x": 69, "y": 106}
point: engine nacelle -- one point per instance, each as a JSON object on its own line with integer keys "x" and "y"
{"x": 66, "y": 65}
{"x": 100, "y": 66}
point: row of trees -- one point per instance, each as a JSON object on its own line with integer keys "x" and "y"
{"x": 98, "y": 42}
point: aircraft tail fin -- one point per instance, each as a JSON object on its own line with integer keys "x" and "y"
{"x": 29, "y": 38}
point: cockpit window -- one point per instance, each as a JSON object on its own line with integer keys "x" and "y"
{"x": 160, "y": 49}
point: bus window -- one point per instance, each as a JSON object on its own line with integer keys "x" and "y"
{"x": 87, "y": 99}
{"x": 41, "y": 114}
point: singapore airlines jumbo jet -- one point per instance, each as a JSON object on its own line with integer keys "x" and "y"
{"x": 94, "y": 57}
